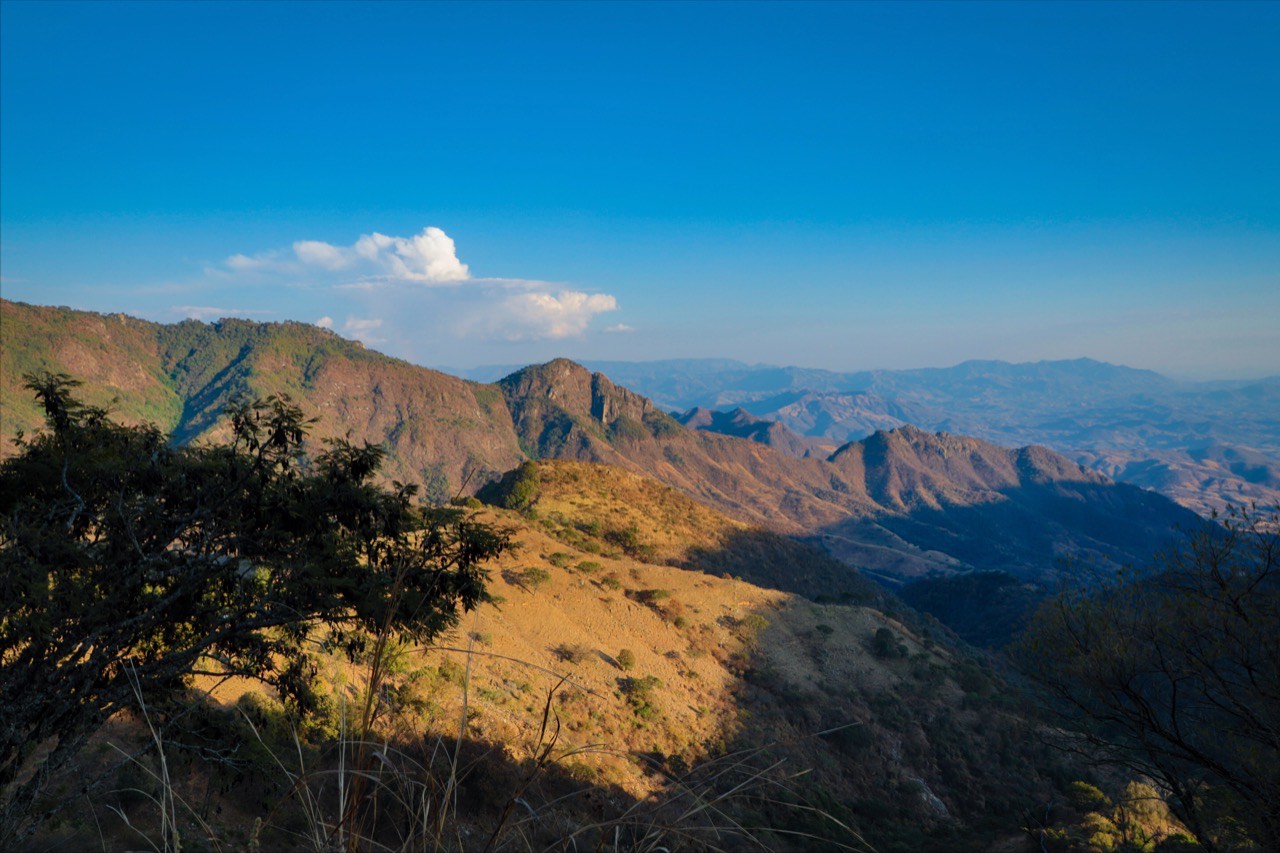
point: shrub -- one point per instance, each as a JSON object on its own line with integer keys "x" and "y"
{"x": 452, "y": 672}
{"x": 518, "y": 489}
{"x": 628, "y": 539}
{"x": 626, "y": 659}
{"x": 572, "y": 652}
{"x": 535, "y": 577}
{"x": 885, "y": 645}
{"x": 639, "y": 694}
{"x": 627, "y": 429}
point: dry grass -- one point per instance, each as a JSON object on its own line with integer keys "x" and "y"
{"x": 528, "y": 708}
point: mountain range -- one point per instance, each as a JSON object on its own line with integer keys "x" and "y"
{"x": 897, "y": 505}
{"x": 1207, "y": 445}
{"x": 713, "y": 586}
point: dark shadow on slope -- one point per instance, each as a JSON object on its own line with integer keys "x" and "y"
{"x": 984, "y": 608}
{"x": 436, "y": 791}
{"x": 1035, "y": 535}
{"x": 202, "y": 410}
{"x": 905, "y": 737}
{"x": 773, "y": 561}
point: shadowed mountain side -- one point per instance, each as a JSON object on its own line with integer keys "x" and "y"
{"x": 1026, "y": 530}
{"x": 963, "y": 503}
{"x": 915, "y": 744}
{"x": 983, "y": 608}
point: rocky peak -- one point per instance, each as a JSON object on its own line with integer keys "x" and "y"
{"x": 610, "y": 402}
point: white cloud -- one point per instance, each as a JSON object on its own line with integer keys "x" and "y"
{"x": 429, "y": 257}
{"x": 243, "y": 263}
{"x": 211, "y": 312}
{"x": 400, "y": 278}
{"x": 321, "y": 254}
{"x": 363, "y": 328}
{"x": 545, "y": 315}
{"x": 359, "y": 324}
{"x": 619, "y": 329}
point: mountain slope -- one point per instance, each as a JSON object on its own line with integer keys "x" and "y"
{"x": 743, "y": 668}
{"x": 440, "y": 431}
{"x": 657, "y": 682}
{"x": 900, "y": 504}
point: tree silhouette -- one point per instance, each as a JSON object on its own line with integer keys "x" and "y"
{"x": 1174, "y": 673}
{"x": 129, "y": 564}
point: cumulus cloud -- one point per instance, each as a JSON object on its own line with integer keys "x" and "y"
{"x": 320, "y": 254}
{"x": 430, "y": 257}
{"x": 418, "y": 283}
{"x": 547, "y": 315}
{"x": 363, "y": 328}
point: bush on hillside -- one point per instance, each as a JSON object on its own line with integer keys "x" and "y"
{"x": 518, "y": 489}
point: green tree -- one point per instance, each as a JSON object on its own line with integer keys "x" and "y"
{"x": 517, "y": 489}
{"x": 1174, "y": 674}
{"x": 128, "y": 564}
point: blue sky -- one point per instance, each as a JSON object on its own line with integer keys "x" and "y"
{"x": 836, "y": 185}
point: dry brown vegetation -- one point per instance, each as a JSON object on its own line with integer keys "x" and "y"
{"x": 899, "y": 748}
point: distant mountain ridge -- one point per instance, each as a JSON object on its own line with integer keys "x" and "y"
{"x": 898, "y": 504}
{"x": 743, "y": 424}
{"x": 1135, "y": 425}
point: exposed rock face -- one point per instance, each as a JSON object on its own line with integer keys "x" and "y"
{"x": 610, "y": 402}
